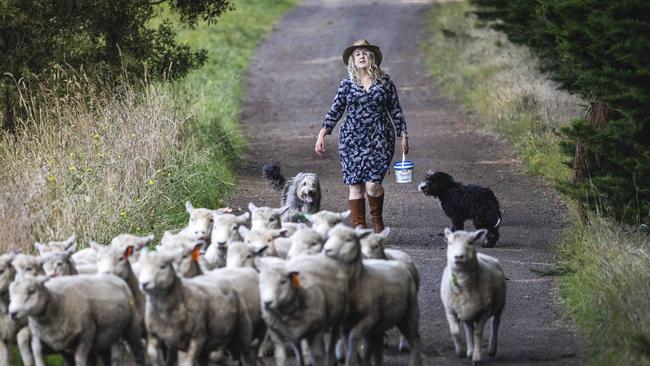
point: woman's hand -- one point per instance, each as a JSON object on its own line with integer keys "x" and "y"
{"x": 405, "y": 144}
{"x": 320, "y": 143}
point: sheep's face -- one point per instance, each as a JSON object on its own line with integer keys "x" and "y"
{"x": 7, "y": 271}
{"x": 461, "y": 251}
{"x": 69, "y": 244}
{"x": 124, "y": 241}
{"x": 259, "y": 239}
{"x": 28, "y": 296}
{"x": 265, "y": 217}
{"x": 114, "y": 259}
{"x": 187, "y": 256}
{"x": 57, "y": 264}
{"x": 343, "y": 244}
{"x": 307, "y": 187}
{"x": 436, "y": 183}
{"x": 226, "y": 227}
{"x": 240, "y": 255}
{"x": 323, "y": 221}
{"x": 27, "y": 265}
{"x": 156, "y": 272}
{"x": 201, "y": 222}
{"x": 278, "y": 286}
{"x": 305, "y": 242}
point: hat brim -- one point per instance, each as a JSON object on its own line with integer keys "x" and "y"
{"x": 374, "y": 49}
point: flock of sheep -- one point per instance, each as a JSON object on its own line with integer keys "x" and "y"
{"x": 232, "y": 287}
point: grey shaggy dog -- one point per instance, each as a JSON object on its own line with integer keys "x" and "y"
{"x": 300, "y": 194}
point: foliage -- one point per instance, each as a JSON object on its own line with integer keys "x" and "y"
{"x": 104, "y": 38}
{"x": 599, "y": 50}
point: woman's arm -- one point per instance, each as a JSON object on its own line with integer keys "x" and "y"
{"x": 397, "y": 115}
{"x": 333, "y": 116}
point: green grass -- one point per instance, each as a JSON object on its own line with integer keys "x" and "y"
{"x": 604, "y": 269}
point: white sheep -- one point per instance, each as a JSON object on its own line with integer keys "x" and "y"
{"x": 302, "y": 300}
{"x": 186, "y": 251}
{"x": 201, "y": 221}
{"x": 266, "y": 238}
{"x": 383, "y": 294}
{"x": 26, "y": 264}
{"x": 76, "y": 315}
{"x": 270, "y": 218}
{"x": 224, "y": 230}
{"x": 323, "y": 221}
{"x": 373, "y": 247}
{"x": 473, "y": 290}
{"x": 58, "y": 264}
{"x": 11, "y": 330}
{"x": 56, "y": 246}
{"x": 305, "y": 242}
{"x": 240, "y": 255}
{"x": 191, "y": 315}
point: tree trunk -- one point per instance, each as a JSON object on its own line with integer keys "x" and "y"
{"x": 598, "y": 115}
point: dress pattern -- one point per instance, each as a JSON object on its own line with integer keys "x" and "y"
{"x": 367, "y": 136}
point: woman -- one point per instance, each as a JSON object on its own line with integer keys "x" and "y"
{"x": 367, "y": 137}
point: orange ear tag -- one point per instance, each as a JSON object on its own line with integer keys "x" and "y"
{"x": 196, "y": 254}
{"x": 128, "y": 252}
{"x": 295, "y": 280}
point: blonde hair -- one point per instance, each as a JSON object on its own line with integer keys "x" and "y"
{"x": 374, "y": 70}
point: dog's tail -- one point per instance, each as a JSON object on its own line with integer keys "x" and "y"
{"x": 272, "y": 172}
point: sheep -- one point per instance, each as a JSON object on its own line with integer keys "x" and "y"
{"x": 191, "y": 315}
{"x": 76, "y": 315}
{"x": 58, "y": 264}
{"x": 240, "y": 255}
{"x": 302, "y": 300}
{"x": 27, "y": 264}
{"x": 305, "y": 242}
{"x": 186, "y": 251}
{"x": 383, "y": 294}
{"x": 372, "y": 247}
{"x": 322, "y": 221}
{"x": 266, "y": 238}
{"x": 224, "y": 230}
{"x": 473, "y": 290}
{"x": 11, "y": 330}
{"x": 270, "y": 218}
{"x": 56, "y": 246}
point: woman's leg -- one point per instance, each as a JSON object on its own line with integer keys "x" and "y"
{"x": 376, "y": 203}
{"x": 357, "y": 204}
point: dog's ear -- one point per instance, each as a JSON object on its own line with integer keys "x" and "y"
{"x": 449, "y": 235}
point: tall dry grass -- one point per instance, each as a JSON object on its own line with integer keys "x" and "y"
{"x": 83, "y": 158}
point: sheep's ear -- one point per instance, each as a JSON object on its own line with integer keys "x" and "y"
{"x": 244, "y": 231}
{"x": 283, "y": 210}
{"x": 295, "y": 280}
{"x": 222, "y": 211}
{"x": 363, "y": 233}
{"x": 71, "y": 240}
{"x": 145, "y": 241}
{"x": 128, "y": 252}
{"x": 196, "y": 252}
{"x": 384, "y": 234}
{"x": 188, "y": 207}
{"x": 279, "y": 233}
{"x": 71, "y": 248}
{"x": 478, "y": 235}
{"x": 309, "y": 217}
{"x": 40, "y": 247}
{"x": 345, "y": 214}
{"x": 449, "y": 235}
{"x": 251, "y": 207}
{"x": 261, "y": 251}
{"x": 243, "y": 218}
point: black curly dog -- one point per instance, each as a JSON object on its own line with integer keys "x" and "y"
{"x": 462, "y": 202}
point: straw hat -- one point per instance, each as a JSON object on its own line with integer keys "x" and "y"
{"x": 362, "y": 43}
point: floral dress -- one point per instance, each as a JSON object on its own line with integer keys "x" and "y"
{"x": 367, "y": 137}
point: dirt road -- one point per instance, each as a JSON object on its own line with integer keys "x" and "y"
{"x": 291, "y": 85}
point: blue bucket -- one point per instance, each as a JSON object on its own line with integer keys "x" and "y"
{"x": 404, "y": 171}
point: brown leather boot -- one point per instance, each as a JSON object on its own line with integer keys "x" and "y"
{"x": 376, "y": 205}
{"x": 358, "y": 208}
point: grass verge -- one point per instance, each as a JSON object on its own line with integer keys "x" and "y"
{"x": 604, "y": 266}
{"x": 100, "y": 163}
